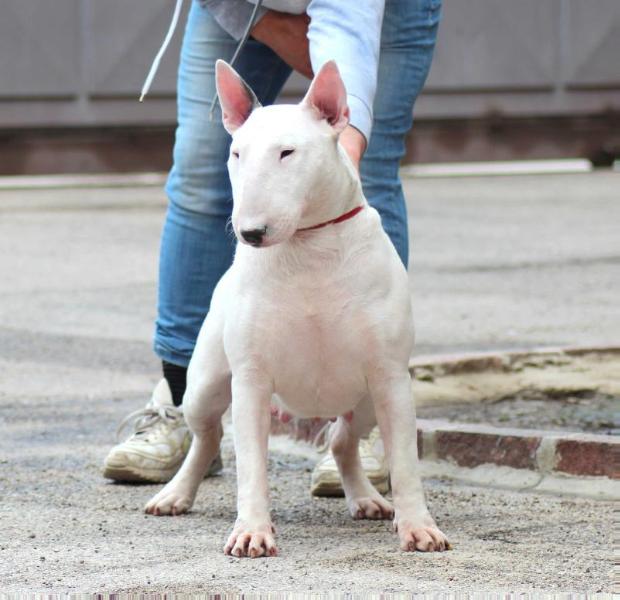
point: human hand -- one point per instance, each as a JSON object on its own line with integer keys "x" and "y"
{"x": 287, "y": 36}
{"x": 354, "y": 143}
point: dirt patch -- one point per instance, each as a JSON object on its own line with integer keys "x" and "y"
{"x": 588, "y": 412}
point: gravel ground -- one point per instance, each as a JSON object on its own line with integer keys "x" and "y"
{"x": 62, "y": 528}
{"x": 497, "y": 263}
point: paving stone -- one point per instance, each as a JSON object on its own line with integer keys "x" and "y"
{"x": 586, "y": 457}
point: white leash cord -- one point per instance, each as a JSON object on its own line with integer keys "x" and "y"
{"x": 173, "y": 24}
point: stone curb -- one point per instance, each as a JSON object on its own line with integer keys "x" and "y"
{"x": 545, "y": 452}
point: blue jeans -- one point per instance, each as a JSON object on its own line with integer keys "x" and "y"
{"x": 197, "y": 247}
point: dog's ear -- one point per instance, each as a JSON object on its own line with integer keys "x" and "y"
{"x": 327, "y": 96}
{"x": 236, "y": 97}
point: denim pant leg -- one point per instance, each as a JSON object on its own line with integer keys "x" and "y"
{"x": 407, "y": 44}
{"x": 196, "y": 246}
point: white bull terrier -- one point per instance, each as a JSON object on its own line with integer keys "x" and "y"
{"x": 314, "y": 315}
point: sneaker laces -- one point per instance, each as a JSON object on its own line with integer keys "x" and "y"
{"x": 149, "y": 416}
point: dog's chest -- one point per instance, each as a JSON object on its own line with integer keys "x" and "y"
{"x": 315, "y": 324}
{"x": 320, "y": 342}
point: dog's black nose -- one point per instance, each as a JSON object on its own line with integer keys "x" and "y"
{"x": 254, "y": 236}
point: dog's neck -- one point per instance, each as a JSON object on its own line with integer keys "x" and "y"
{"x": 340, "y": 193}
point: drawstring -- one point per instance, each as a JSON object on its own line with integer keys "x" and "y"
{"x": 160, "y": 53}
{"x": 240, "y": 45}
{"x": 173, "y": 24}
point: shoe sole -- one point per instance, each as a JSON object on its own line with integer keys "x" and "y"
{"x": 329, "y": 488}
{"x": 127, "y": 474}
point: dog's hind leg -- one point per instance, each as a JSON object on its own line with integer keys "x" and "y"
{"x": 363, "y": 500}
{"x": 206, "y": 399}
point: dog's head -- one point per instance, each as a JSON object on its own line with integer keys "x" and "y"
{"x": 283, "y": 157}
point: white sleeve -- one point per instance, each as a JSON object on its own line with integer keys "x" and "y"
{"x": 349, "y": 31}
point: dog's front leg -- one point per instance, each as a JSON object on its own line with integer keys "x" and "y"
{"x": 253, "y": 533}
{"x": 397, "y": 422}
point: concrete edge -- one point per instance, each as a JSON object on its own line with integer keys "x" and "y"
{"x": 78, "y": 180}
{"x": 498, "y": 168}
{"x": 595, "y": 488}
{"x": 452, "y": 364}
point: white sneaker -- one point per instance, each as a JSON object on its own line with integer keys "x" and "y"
{"x": 326, "y": 477}
{"x": 156, "y": 449}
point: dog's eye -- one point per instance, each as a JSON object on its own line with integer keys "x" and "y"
{"x": 286, "y": 153}
{"x": 235, "y": 154}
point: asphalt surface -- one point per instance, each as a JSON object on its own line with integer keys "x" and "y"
{"x": 497, "y": 263}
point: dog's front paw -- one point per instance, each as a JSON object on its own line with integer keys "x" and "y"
{"x": 252, "y": 541}
{"x": 171, "y": 500}
{"x": 375, "y": 507}
{"x": 420, "y": 534}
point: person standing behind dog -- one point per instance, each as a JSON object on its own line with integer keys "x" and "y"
{"x": 383, "y": 49}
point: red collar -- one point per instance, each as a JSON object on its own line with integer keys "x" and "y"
{"x": 339, "y": 219}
